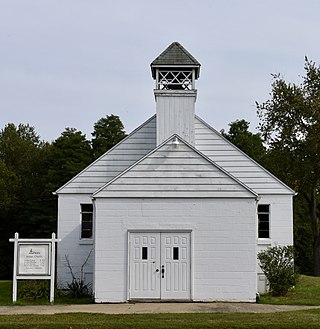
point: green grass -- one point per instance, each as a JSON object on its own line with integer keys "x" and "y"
{"x": 5, "y": 292}
{"x": 307, "y": 292}
{"x": 298, "y": 320}
{"x": 6, "y": 297}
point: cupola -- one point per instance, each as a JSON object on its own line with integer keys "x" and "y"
{"x": 175, "y": 71}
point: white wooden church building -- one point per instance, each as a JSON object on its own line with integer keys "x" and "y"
{"x": 174, "y": 211}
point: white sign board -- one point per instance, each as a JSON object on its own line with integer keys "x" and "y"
{"x": 34, "y": 259}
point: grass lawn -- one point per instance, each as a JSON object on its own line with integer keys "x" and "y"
{"x": 5, "y": 292}
{"x": 307, "y": 292}
{"x": 298, "y": 320}
{"x": 6, "y": 297}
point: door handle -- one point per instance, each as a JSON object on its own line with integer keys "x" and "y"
{"x": 157, "y": 270}
{"x": 162, "y": 271}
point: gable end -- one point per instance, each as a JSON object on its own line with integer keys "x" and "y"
{"x": 175, "y": 169}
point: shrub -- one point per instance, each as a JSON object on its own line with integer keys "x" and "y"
{"x": 78, "y": 289}
{"x": 277, "y": 264}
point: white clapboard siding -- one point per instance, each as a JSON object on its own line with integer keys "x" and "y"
{"x": 175, "y": 114}
{"x": 175, "y": 171}
{"x": 218, "y": 149}
{"x": 143, "y": 140}
{"x": 135, "y": 146}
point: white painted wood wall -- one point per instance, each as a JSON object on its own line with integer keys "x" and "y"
{"x": 71, "y": 245}
{"x": 281, "y": 229}
{"x": 223, "y": 244}
{"x": 175, "y": 114}
{"x": 138, "y": 144}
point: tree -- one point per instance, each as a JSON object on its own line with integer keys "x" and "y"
{"x": 68, "y": 155}
{"x": 290, "y": 125}
{"x": 21, "y": 185}
{"x": 21, "y": 163}
{"x": 302, "y": 235}
{"x": 246, "y": 141}
{"x": 108, "y": 131}
{"x": 8, "y": 187}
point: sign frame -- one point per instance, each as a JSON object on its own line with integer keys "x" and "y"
{"x": 34, "y": 262}
{"x": 34, "y": 259}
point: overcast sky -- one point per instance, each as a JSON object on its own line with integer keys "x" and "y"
{"x": 67, "y": 63}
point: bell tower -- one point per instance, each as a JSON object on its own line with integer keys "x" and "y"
{"x": 175, "y": 71}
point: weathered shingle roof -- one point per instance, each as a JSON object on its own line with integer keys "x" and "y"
{"x": 175, "y": 54}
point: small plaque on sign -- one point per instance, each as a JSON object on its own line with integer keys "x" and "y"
{"x": 33, "y": 259}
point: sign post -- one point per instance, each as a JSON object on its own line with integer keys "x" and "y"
{"x": 34, "y": 259}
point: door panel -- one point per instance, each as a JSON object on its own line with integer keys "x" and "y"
{"x": 175, "y": 252}
{"x": 144, "y": 261}
{"x": 160, "y": 265}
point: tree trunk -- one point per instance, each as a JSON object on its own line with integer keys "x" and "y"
{"x": 316, "y": 233}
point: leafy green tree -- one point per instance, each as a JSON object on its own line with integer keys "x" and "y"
{"x": 68, "y": 155}
{"x": 246, "y": 141}
{"x": 8, "y": 188}
{"x": 108, "y": 131}
{"x": 21, "y": 185}
{"x": 290, "y": 125}
{"x": 302, "y": 235}
{"x": 18, "y": 146}
{"x": 21, "y": 163}
{"x": 8, "y": 202}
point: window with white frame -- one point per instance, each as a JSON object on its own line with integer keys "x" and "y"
{"x": 264, "y": 221}
{"x": 86, "y": 221}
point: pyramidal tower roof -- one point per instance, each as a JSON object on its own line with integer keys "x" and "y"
{"x": 175, "y": 55}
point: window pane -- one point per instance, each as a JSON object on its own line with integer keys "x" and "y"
{"x": 263, "y": 217}
{"x": 264, "y": 234}
{"x": 86, "y": 234}
{"x": 86, "y": 225}
{"x": 144, "y": 252}
{"x": 86, "y": 217}
{"x": 86, "y": 208}
{"x": 264, "y": 226}
{"x": 263, "y": 208}
{"x": 175, "y": 253}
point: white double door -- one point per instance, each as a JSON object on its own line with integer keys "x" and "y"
{"x": 159, "y": 265}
